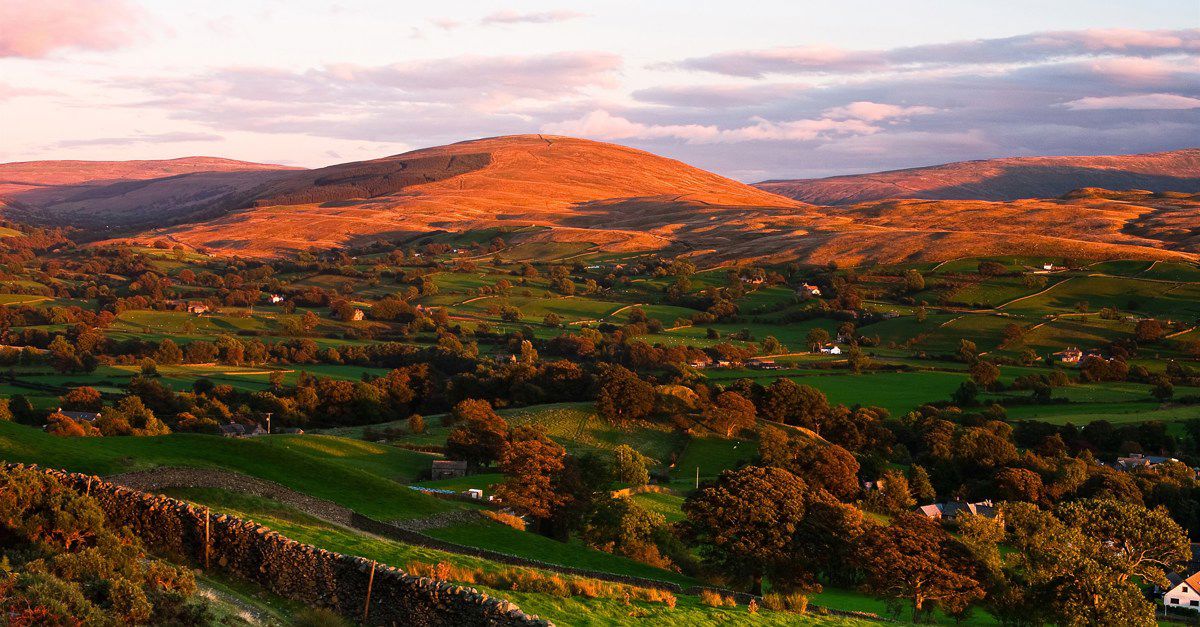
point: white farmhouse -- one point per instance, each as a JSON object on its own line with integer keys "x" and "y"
{"x": 1184, "y": 594}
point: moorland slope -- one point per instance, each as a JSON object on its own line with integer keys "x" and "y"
{"x": 1003, "y": 179}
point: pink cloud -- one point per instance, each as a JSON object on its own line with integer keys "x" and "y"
{"x": 603, "y": 125}
{"x": 35, "y": 28}
{"x": 1134, "y": 101}
{"x": 876, "y": 111}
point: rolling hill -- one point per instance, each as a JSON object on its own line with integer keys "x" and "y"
{"x": 609, "y": 197}
{"x": 101, "y": 195}
{"x": 1003, "y": 179}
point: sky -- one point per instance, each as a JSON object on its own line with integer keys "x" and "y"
{"x": 753, "y": 90}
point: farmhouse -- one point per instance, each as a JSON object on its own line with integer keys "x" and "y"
{"x": 830, "y": 349}
{"x": 238, "y": 430}
{"x": 1137, "y": 460}
{"x": 1047, "y": 266}
{"x": 276, "y": 299}
{"x": 448, "y": 469}
{"x": 700, "y": 363}
{"x": 1069, "y": 356}
{"x": 807, "y": 290}
{"x": 197, "y": 308}
{"x": 953, "y": 509}
{"x": 764, "y": 364}
{"x": 1183, "y": 594}
{"x": 85, "y": 416}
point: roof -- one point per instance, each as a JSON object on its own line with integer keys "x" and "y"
{"x": 80, "y": 415}
{"x": 449, "y": 464}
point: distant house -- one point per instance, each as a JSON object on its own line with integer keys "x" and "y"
{"x": 953, "y": 509}
{"x": 764, "y": 364}
{"x": 357, "y": 315}
{"x": 80, "y": 416}
{"x": 830, "y": 349}
{"x": 276, "y": 299}
{"x": 1136, "y": 460}
{"x": 807, "y": 290}
{"x": 700, "y": 363}
{"x": 448, "y": 469}
{"x": 289, "y": 430}
{"x": 1047, "y": 266}
{"x": 1069, "y": 356}
{"x": 1184, "y": 594}
{"x": 197, "y": 308}
{"x": 752, "y": 280}
{"x": 238, "y": 430}
{"x": 505, "y": 357}
{"x": 475, "y": 493}
{"x": 869, "y": 486}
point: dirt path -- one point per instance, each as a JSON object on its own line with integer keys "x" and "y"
{"x": 1017, "y": 300}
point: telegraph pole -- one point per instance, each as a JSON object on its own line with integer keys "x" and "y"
{"x": 268, "y": 423}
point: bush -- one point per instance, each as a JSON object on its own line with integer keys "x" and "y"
{"x": 506, "y": 519}
{"x": 712, "y": 598}
{"x": 794, "y": 602}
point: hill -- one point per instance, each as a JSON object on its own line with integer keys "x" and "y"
{"x": 1003, "y": 179}
{"x": 120, "y": 194}
{"x": 604, "y": 194}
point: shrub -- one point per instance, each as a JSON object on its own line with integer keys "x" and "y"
{"x": 712, "y": 598}
{"x": 794, "y": 602}
{"x": 506, "y": 519}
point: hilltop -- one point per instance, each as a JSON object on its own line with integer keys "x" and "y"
{"x": 598, "y": 196}
{"x": 1003, "y": 179}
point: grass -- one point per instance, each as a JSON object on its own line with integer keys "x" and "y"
{"x": 712, "y": 456}
{"x": 356, "y": 474}
{"x": 665, "y": 503}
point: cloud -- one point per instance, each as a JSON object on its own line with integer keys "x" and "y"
{"x": 603, "y": 125}
{"x": 154, "y": 138}
{"x": 543, "y": 17}
{"x": 1134, "y": 101}
{"x": 34, "y": 29}
{"x": 446, "y": 23}
{"x": 876, "y": 111}
{"x": 722, "y": 96}
{"x": 1029, "y": 48}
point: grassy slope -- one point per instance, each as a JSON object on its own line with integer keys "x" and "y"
{"x": 353, "y": 473}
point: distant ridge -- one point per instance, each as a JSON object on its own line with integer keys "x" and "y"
{"x": 1003, "y": 179}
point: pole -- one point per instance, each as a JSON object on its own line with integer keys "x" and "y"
{"x": 89, "y": 488}
{"x": 697, "y": 477}
{"x": 268, "y": 423}
{"x": 207, "y": 516}
{"x": 370, "y": 582}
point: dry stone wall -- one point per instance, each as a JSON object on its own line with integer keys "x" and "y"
{"x": 297, "y": 571}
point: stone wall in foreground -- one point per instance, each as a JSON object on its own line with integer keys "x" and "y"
{"x": 293, "y": 570}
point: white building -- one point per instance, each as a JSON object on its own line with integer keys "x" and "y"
{"x": 1184, "y": 594}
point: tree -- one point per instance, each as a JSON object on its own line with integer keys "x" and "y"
{"x": 914, "y": 559}
{"x": 771, "y": 346}
{"x": 786, "y": 401}
{"x": 1018, "y": 484}
{"x": 1149, "y": 330}
{"x": 530, "y": 462}
{"x": 894, "y": 493}
{"x": 82, "y": 399}
{"x": 913, "y": 281}
{"x": 622, "y": 396}
{"x": 827, "y": 466}
{"x": 745, "y": 523}
{"x": 730, "y": 413}
{"x": 480, "y": 437}
{"x": 919, "y": 485}
{"x": 816, "y": 337}
{"x": 416, "y": 424}
{"x": 967, "y": 394}
{"x": 985, "y": 373}
{"x": 630, "y": 466}
{"x": 6, "y": 414}
{"x": 1150, "y": 542}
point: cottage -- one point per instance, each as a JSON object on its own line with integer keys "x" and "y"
{"x": 1047, "y": 267}
{"x": 1137, "y": 460}
{"x": 1183, "y": 594}
{"x": 238, "y": 430}
{"x": 1069, "y": 356}
{"x": 764, "y": 364}
{"x": 830, "y": 349}
{"x": 448, "y": 469}
{"x": 357, "y": 315}
{"x": 276, "y": 299}
{"x": 700, "y": 363}
{"x": 807, "y": 290}
{"x": 80, "y": 416}
{"x": 475, "y": 493}
{"x": 953, "y": 509}
{"x": 197, "y": 308}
